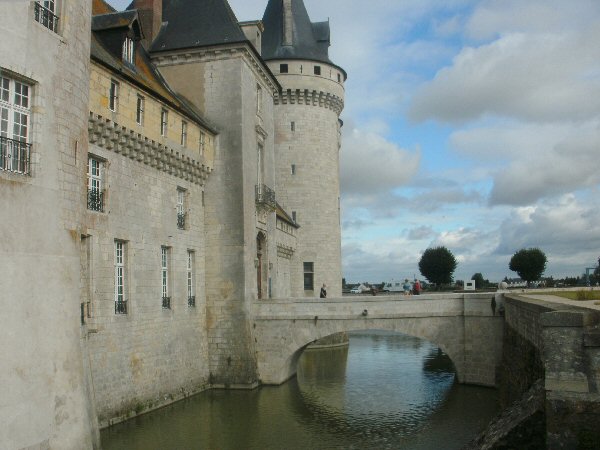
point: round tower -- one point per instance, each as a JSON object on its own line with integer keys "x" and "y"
{"x": 307, "y": 141}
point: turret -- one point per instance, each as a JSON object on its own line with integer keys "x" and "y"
{"x": 307, "y": 141}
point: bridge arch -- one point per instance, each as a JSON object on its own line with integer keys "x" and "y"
{"x": 466, "y": 331}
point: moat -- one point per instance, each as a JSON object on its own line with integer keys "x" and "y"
{"x": 384, "y": 390}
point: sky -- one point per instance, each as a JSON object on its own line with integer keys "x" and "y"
{"x": 469, "y": 124}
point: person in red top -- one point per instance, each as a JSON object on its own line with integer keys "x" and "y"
{"x": 417, "y": 287}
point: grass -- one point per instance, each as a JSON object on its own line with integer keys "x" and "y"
{"x": 576, "y": 295}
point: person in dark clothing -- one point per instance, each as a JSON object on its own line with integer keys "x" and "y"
{"x": 323, "y": 293}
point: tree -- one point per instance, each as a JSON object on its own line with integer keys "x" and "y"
{"x": 597, "y": 271}
{"x": 529, "y": 263}
{"x": 437, "y": 265}
{"x": 479, "y": 281}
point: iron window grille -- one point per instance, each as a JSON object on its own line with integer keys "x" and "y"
{"x": 265, "y": 196}
{"x": 44, "y": 14}
{"x": 166, "y": 302}
{"x": 181, "y": 221}
{"x": 181, "y": 209}
{"x": 190, "y": 279}
{"x": 192, "y": 301}
{"x": 95, "y": 198}
{"x": 121, "y": 307}
{"x": 120, "y": 302}
{"x": 15, "y": 156}
{"x": 164, "y": 256}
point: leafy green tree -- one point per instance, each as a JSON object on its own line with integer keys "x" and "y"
{"x": 597, "y": 271}
{"x": 479, "y": 281}
{"x": 529, "y": 263}
{"x": 437, "y": 265}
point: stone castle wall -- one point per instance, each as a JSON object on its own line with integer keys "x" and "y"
{"x": 45, "y": 402}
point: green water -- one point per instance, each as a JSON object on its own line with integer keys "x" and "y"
{"x": 384, "y": 391}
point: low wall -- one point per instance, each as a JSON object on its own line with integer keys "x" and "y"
{"x": 561, "y": 343}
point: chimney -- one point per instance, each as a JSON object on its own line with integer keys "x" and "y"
{"x": 150, "y": 13}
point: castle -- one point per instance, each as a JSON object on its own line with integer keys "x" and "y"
{"x": 161, "y": 169}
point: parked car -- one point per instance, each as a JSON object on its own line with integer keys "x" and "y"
{"x": 355, "y": 291}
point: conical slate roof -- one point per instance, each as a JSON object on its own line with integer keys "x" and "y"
{"x": 305, "y": 40}
{"x": 197, "y": 23}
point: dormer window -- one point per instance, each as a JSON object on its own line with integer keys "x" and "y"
{"x": 128, "y": 50}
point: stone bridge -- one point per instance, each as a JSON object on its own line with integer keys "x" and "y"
{"x": 464, "y": 326}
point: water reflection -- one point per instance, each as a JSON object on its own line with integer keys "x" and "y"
{"x": 384, "y": 391}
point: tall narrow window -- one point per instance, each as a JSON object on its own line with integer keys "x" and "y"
{"x": 258, "y": 99}
{"x": 139, "y": 113}
{"x": 202, "y": 143}
{"x": 128, "y": 48}
{"x": 164, "y": 118}
{"x": 317, "y": 70}
{"x": 260, "y": 165}
{"x": 45, "y": 13}
{"x": 309, "y": 276}
{"x": 293, "y": 126}
{"x": 120, "y": 280}
{"x": 15, "y": 152}
{"x": 164, "y": 257}
{"x": 113, "y": 96}
{"x": 95, "y": 198}
{"x": 293, "y": 169}
{"x": 190, "y": 279}
{"x": 183, "y": 133}
{"x": 181, "y": 209}
{"x": 294, "y": 216}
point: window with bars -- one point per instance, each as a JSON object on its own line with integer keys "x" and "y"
{"x": 164, "y": 118}
{"x": 113, "y": 96}
{"x": 139, "y": 112}
{"x": 15, "y": 113}
{"x": 45, "y": 13}
{"x": 309, "y": 276}
{"x": 120, "y": 278}
{"x": 128, "y": 50}
{"x": 190, "y": 279}
{"x": 166, "y": 298}
{"x": 95, "y": 197}
{"x": 184, "y": 133}
{"x": 181, "y": 209}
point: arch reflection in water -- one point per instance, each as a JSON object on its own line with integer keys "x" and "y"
{"x": 384, "y": 391}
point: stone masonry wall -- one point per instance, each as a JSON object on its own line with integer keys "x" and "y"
{"x": 44, "y": 397}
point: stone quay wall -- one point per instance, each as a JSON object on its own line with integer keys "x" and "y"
{"x": 566, "y": 340}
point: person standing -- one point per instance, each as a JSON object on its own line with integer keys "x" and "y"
{"x": 323, "y": 293}
{"x": 406, "y": 287}
{"x": 417, "y": 287}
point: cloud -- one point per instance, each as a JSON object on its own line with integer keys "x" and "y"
{"x": 420, "y": 233}
{"x": 545, "y": 77}
{"x": 370, "y": 164}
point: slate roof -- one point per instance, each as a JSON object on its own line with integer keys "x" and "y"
{"x": 197, "y": 23}
{"x": 309, "y": 40}
{"x": 143, "y": 73}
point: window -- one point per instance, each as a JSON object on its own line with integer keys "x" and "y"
{"x": 113, "y": 96}
{"x": 309, "y": 276}
{"x": 283, "y": 68}
{"x": 120, "y": 280}
{"x": 166, "y": 299}
{"x": 260, "y": 165}
{"x": 139, "y": 113}
{"x": 293, "y": 126}
{"x": 293, "y": 169}
{"x": 95, "y": 198}
{"x": 190, "y": 279}
{"x": 180, "y": 209}
{"x": 339, "y": 78}
{"x": 15, "y": 106}
{"x": 317, "y": 70}
{"x": 258, "y": 99}
{"x": 164, "y": 117}
{"x": 183, "y": 133}
{"x": 294, "y": 216}
{"x": 128, "y": 48}
{"x": 44, "y": 13}
{"x": 202, "y": 143}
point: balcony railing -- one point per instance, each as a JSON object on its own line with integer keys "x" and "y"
{"x": 121, "y": 307}
{"x": 166, "y": 302}
{"x": 15, "y": 156}
{"x": 181, "y": 221}
{"x": 192, "y": 300}
{"x": 46, "y": 17}
{"x": 95, "y": 200}
{"x": 265, "y": 196}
